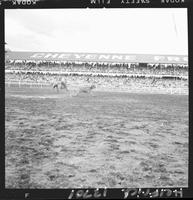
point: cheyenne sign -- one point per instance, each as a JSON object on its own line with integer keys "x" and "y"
{"x": 96, "y": 57}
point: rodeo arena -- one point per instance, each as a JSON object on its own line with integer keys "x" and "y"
{"x": 79, "y": 120}
{"x": 108, "y": 72}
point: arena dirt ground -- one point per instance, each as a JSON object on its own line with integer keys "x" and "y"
{"x": 106, "y": 139}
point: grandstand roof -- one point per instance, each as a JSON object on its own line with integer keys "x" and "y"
{"x": 98, "y": 57}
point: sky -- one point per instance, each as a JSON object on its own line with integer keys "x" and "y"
{"x": 140, "y": 31}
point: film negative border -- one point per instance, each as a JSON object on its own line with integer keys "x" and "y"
{"x": 96, "y": 193}
{"x": 93, "y": 3}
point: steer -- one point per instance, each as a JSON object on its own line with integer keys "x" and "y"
{"x": 87, "y": 89}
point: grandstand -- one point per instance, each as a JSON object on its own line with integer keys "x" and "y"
{"x": 109, "y": 72}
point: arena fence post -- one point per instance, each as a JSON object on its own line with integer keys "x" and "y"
{"x": 181, "y": 86}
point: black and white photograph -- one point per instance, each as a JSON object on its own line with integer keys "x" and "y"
{"x": 96, "y": 98}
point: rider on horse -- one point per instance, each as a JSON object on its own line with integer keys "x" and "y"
{"x": 60, "y": 84}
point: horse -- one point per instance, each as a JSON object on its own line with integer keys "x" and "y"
{"x": 59, "y": 85}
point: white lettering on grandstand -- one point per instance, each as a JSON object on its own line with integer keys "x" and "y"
{"x": 51, "y": 55}
{"x": 78, "y": 56}
{"x": 100, "y": 57}
{"x": 185, "y": 59}
{"x": 90, "y": 56}
{"x": 173, "y": 58}
{"x": 62, "y": 56}
{"x": 117, "y": 57}
{"x": 104, "y": 57}
{"x": 37, "y": 55}
{"x": 130, "y": 57}
{"x": 158, "y": 58}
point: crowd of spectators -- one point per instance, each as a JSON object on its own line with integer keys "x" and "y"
{"x": 106, "y": 76}
{"x": 123, "y": 68}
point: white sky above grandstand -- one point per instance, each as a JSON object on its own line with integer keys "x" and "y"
{"x": 143, "y": 31}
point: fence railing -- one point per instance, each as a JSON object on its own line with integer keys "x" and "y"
{"x": 25, "y": 84}
{"x": 132, "y": 89}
